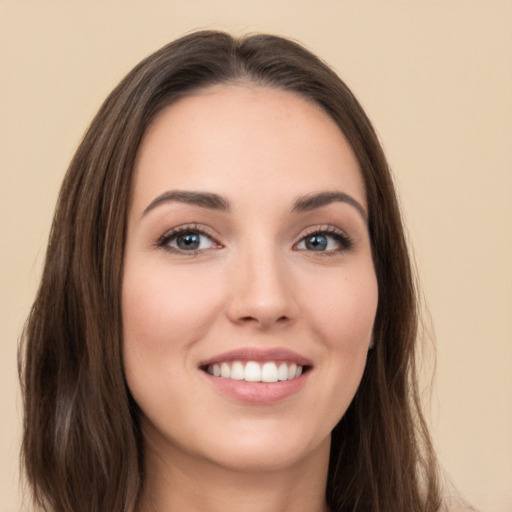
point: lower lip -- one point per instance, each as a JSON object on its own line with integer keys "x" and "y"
{"x": 257, "y": 392}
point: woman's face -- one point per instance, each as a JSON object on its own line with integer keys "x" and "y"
{"x": 248, "y": 255}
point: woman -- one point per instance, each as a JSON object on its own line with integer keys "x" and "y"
{"x": 227, "y": 316}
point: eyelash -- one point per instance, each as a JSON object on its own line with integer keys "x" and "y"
{"x": 164, "y": 241}
{"x": 341, "y": 238}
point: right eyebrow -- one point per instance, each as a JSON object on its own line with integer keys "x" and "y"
{"x": 202, "y": 199}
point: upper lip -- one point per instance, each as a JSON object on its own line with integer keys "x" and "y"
{"x": 258, "y": 355}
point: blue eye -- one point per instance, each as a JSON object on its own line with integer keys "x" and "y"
{"x": 317, "y": 243}
{"x": 322, "y": 241}
{"x": 187, "y": 240}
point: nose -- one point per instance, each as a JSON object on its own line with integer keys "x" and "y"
{"x": 262, "y": 291}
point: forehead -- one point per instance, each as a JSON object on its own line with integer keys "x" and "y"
{"x": 235, "y": 140}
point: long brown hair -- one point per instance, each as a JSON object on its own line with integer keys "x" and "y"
{"x": 82, "y": 446}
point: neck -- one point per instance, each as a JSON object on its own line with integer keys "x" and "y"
{"x": 183, "y": 483}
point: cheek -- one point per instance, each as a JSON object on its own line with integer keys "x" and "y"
{"x": 344, "y": 310}
{"x": 164, "y": 311}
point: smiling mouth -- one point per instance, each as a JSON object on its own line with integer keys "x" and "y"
{"x": 253, "y": 371}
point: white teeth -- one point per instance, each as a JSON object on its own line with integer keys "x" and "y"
{"x": 282, "y": 372}
{"x": 256, "y": 372}
{"x": 252, "y": 372}
{"x": 237, "y": 371}
{"x": 269, "y": 372}
{"x": 224, "y": 370}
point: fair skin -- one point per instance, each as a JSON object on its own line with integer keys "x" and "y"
{"x": 230, "y": 264}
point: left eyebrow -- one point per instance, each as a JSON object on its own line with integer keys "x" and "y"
{"x": 319, "y": 199}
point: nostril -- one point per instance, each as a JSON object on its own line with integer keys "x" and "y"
{"x": 264, "y": 322}
{"x": 248, "y": 319}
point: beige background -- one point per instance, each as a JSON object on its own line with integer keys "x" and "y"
{"x": 435, "y": 77}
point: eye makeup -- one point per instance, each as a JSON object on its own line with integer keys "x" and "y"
{"x": 188, "y": 240}
{"x": 192, "y": 239}
{"x": 324, "y": 241}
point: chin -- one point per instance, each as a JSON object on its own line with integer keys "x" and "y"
{"x": 265, "y": 449}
